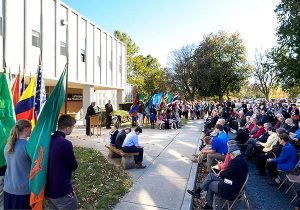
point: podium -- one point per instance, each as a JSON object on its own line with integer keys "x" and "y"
{"x": 95, "y": 122}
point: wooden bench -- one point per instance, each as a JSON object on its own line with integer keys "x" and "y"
{"x": 127, "y": 161}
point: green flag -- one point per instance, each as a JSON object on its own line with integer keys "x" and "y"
{"x": 141, "y": 97}
{"x": 7, "y": 115}
{"x": 39, "y": 142}
{"x": 170, "y": 97}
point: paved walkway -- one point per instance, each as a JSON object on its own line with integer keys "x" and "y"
{"x": 162, "y": 184}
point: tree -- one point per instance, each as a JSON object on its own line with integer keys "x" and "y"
{"x": 181, "y": 74}
{"x": 221, "y": 61}
{"x": 147, "y": 75}
{"x": 264, "y": 73}
{"x": 131, "y": 47}
{"x": 286, "y": 54}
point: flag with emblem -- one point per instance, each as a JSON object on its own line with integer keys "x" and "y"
{"x": 39, "y": 142}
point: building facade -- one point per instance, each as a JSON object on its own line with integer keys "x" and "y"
{"x": 54, "y": 32}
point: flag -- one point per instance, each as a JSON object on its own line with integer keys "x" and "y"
{"x": 163, "y": 102}
{"x": 24, "y": 109}
{"x": 174, "y": 99}
{"x": 7, "y": 115}
{"x": 40, "y": 93}
{"x": 170, "y": 97}
{"x": 134, "y": 106}
{"x": 39, "y": 142}
{"x": 15, "y": 90}
{"x": 157, "y": 99}
{"x": 141, "y": 97}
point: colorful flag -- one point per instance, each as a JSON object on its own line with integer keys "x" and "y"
{"x": 40, "y": 93}
{"x": 141, "y": 97}
{"x": 170, "y": 97}
{"x": 7, "y": 115}
{"x": 39, "y": 142}
{"x": 24, "y": 109}
{"x": 157, "y": 99}
{"x": 163, "y": 102}
{"x": 15, "y": 90}
{"x": 134, "y": 106}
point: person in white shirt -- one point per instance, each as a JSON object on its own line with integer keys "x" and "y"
{"x": 131, "y": 144}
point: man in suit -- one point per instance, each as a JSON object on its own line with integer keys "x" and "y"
{"x": 90, "y": 111}
{"x": 108, "y": 113}
{"x": 228, "y": 183}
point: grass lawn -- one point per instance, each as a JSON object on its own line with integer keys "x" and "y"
{"x": 97, "y": 183}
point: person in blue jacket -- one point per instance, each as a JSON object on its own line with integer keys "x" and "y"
{"x": 286, "y": 161}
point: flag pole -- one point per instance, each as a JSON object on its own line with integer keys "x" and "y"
{"x": 67, "y": 66}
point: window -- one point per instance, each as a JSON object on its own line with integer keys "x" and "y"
{"x": 1, "y": 25}
{"x": 35, "y": 38}
{"x": 83, "y": 58}
{"x": 63, "y": 48}
{"x": 99, "y": 61}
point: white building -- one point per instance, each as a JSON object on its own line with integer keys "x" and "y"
{"x": 49, "y": 29}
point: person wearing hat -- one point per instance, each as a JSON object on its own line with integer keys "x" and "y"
{"x": 228, "y": 183}
{"x": 131, "y": 144}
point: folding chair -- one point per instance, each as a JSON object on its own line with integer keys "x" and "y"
{"x": 294, "y": 180}
{"x": 290, "y": 172}
{"x": 241, "y": 195}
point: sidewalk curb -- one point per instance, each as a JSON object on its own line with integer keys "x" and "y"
{"x": 187, "y": 203}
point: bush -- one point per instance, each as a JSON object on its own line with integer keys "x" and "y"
{"x": 125, "y": 117}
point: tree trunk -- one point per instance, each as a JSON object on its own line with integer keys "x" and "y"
{"x": 220, "y": 99}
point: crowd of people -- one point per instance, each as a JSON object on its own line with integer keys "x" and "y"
{"x": 236, "y": 132}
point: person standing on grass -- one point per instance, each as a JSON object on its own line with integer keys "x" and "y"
{"x": 62, "y": 162}
{"x": 131, "y": 144}
{"x": 108, "y": 113}
{"x": 16, "y": 180}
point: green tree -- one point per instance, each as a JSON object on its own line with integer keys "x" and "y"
{"x": 131, "y": 47}
{"x": 147, "y": 75}
{"x": 221, "y": 64}
{"x": 286, "y": 54}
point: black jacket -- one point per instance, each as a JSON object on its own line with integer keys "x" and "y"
{"x": 90, "y": 111}
{"x": 120, "y": 139}
{"x": 108, "y": 109}
{"x": 236, "y": 172}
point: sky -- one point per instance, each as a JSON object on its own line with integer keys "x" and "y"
{"x": 160, "y": 26}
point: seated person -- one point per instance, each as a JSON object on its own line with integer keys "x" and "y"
{"x": 203, "y": 153}
{"x": 296, "y": 135}
{"x": 121, "y": 137}
{"x": 253, "y": 139}
{"x": 263, "y": 156}
{"x": 285, "y": 162}
{"x": 131, "y": 144}
{"x": 160, "y": 122}
{"x": 113, "y": 134}
{"x": 219, "y": 147}
{"x": 212, "y": 123}
{"x": 271, "y": 141}
{"x": 228, "y": 183}
{"x": 289, "y": 125}
{"x": 221, "y": 166}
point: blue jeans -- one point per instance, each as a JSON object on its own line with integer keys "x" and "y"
{"x": 137, "y": 158}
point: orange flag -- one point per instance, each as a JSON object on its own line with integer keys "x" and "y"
{"x": 15, "y": 90}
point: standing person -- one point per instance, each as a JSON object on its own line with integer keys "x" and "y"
{"x": 90, "y": 111}
{"x": 108, "y": 112}
{"x": 140, "y": 114}
{"x": 131, "y": 144}
{"x": 153, "y": 113}
{"x": 16, "y": 180}
{"x": 62, "y": 162}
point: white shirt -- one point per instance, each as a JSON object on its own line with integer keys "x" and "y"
{"x": 131, "y": 140}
